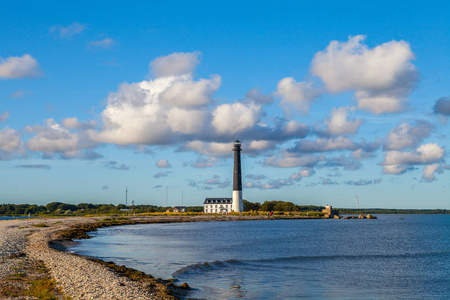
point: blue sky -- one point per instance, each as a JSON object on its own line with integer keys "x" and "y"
{"x": 328, "y": 99}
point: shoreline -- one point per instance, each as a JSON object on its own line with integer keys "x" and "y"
{"x": 33, "y": 252}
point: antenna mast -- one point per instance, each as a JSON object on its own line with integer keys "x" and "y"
{"x": 357, "y": 204}
{"x": 126, "y": 196}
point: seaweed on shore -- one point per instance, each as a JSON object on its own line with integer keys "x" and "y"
{"x": 164, "y": 288}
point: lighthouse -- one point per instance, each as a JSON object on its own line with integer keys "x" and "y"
{"x": 237, "y": 204}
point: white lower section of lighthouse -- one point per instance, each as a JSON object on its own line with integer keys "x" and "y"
{"x": 238, "y": 204}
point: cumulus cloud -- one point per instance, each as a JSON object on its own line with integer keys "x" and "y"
{"x": 342, "y": 161}
{"x": 52, "y": 138}
{"x": 73, "y": 123}
{"x": 339, "y": 124}
{"x": 69, "y": 30}
{"x": 289, "y": 160}
{"x": 163, "y": 163}
{"x": 406, "y": 136}
{"x": 259, "y": 146}
{"x": 442, "y": 106}
{"x": 277, "y": 184}
{"x": 10, "y": 143}
{"x": 45, "y": 167}
{"x": 155, "y": 112}
{"x": 4, "y": 116}
{"x": 208, "y": 148}
{"x": 236, "y": 117}
{"x": 192, "y": 183}
{"x": 397, "y": 162}
{"x": 114, "y": 165}
{"x": 297, "y": 95}
{"x": 161, "y": 174}
{"x": 15, "y": 67}
{"x": 382, "y": 77}
{"x": 177, "y": 63}
{"x": 295, "y": 128}
{"x": 307, "y": 172}
{"x": 339, "y": 143}
{"x": 190, "y": 93}
{"x": 255, "y": 95}
{"x": 204, "y": 162}
{"x": 215, "y": 181}
{"x": 103, "y": 44}
{"x": 430, "y": 170}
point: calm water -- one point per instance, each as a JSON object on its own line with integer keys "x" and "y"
{"x": 388, "y": 258}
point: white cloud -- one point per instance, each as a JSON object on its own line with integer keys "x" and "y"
{"x": 188, "y": 93}
{"x": 73, "y": 123}
{"x": 294, "y": 127}
{"x": 163, "y": 163}
{"x": 307, "y": 172}
{"x": 397, "y": 162}
{"x": 24, "y": 66}
{"x": 430, "y": 170}
{"x": 382, "y": 77}
{"x": 339, "y": 143}
{"x": 177, "y": 63}
{"x": 69, "y": 30}
{"x": 297, "y": 95}
{"x": 407, "y": 136}
{"x": 203, "y": 162}
{"x": 209, "y": 149}
{"x": 10, "y": 143}
{"x": 138, "y": 113}
{"x": 324, "y": 145}
{"x": 236, "y": 117}
{"x": 289, "y": 160}
{"x": 4, "y": 116}
{"x": 54, "y": 138}
{"x": 103, "y": 44}
{"x": 338, "y": 123}
{"x": 260, "y": 145}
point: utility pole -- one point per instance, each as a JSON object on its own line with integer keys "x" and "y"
{"x": 126, "y": 196}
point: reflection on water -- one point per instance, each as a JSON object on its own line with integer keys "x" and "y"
{"x": 377, "y": 259}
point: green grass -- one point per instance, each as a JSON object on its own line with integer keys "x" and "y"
{"x": 42, "y": 289}
{"x": 40, "y": 225}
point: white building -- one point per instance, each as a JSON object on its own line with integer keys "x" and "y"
{"x": 217, "y": 205}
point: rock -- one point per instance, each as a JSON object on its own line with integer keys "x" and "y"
{"x": 185, "y": 286}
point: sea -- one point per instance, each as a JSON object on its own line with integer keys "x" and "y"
{"x": 392, "y": 257}
{"x": 12, "y": 217}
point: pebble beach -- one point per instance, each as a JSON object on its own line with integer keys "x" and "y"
{"x": 32, "y": 250}
{"x": 25, "y": 243}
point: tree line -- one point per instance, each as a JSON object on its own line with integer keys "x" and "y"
{"x": 59, "y": 208}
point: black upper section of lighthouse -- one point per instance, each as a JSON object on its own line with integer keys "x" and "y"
{"x": 237, "y": 181}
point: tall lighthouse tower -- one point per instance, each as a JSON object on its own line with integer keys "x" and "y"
{"x": 237, "y": 204}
